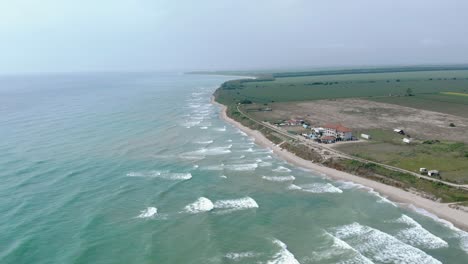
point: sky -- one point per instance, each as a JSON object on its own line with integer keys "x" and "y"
{"x": 163, "y": 35}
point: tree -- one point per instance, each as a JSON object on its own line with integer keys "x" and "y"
{"x": 452, "y": 125}
{"x": 409, "y": 92}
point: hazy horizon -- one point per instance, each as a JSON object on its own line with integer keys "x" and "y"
{"x": 122, "y": 35}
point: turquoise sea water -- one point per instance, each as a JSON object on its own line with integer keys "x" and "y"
{"x": 139, "y": 168}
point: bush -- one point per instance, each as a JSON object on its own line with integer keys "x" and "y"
{"x": 452, "y": 125}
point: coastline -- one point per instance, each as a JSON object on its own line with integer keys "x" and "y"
{"x": 443, "y": 211}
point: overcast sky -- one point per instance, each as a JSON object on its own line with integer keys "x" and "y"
{"x": 109, "y": 35}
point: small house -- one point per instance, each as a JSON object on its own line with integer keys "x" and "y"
{"x": 433, "y": 173}
{"x": 338, "y": 131}
{"x": 366, "y": 136}
{"x": 422, "y": 170}
{"x": 399, "y": 131}
{"x": 407, "y": 140}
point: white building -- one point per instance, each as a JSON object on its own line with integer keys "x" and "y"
{"x": 338, "y": 131}
{"x": 365, "y": 136}
{"x": 407, "y": 140}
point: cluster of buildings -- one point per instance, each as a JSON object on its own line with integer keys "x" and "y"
{"x": 330, "y": 133}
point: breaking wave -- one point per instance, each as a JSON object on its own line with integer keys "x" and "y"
{"x": 279, "y": 178}
{"x": 283, "y": 256}
{"x": 316, "y": 188}
{"x": 381, "y": 247}
{"x": 460, "y": 234}
{"x": 162, "y": 175}
{"x": 204, "y": 142}
{"x": 242, "y": 167}
{"x": 236, "y": 256}
{"x": 148, "y": 212}
{"x": 235, "y": 204}
{"x": 416, "y": 235}
{"x": 282, "y": 169}
{"x": 202, "y": 204}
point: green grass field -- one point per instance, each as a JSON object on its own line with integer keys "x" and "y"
{"x": 367, "y": 85}
{"x": 451, "y": 158}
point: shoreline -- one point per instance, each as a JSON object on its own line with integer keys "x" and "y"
{"x": 443, "y": 211}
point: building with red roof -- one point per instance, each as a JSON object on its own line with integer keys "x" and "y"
{"x": 338, "y": 131}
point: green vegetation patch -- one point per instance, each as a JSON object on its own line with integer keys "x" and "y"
{"x": 450, "y": 158}
{"x": 441, "y": 191}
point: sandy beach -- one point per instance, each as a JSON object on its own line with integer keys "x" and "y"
{"x": 457, "y": 217}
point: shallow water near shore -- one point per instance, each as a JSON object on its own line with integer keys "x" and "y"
{"x": 139, "y": 168}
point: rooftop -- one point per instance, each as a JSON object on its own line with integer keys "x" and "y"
{"x": 338, "y": 127}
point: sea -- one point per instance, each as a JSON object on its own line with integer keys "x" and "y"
{"x": 140, "y": 168}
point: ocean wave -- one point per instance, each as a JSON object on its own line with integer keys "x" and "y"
{"x": 279, "y": 178}
{"x": 316, "y": 188}
{"x": 338, "y": 249}
{"x": 210, "y": 151}
{"x": 162, "y": 175}
{"x": 460, "y": 234}
{"x": 242, "y": 167}
{"x": 204, "y": 142}
{"x": 235, "y": 204}
{"x": 283, "y": 256}
{"x": 294, "y": 187}
{"x": 202, "y": 204}
{"x": 281, "y": 169}
{"x": 148, "y": 212}
{"x": 265, "y": 164}
{"x": 380, "y": 246}
{"x": 381, "y": 199}
{"x": 220, "y": 129}
{"x": 237, "y": 256}
{"x": 416, "y": 235}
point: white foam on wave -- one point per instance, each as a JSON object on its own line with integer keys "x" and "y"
{"x": 223, "y": 176}
{"x": 237, "y": 256}
{"x": 279, "y": 178}
{"x": 162, "y": 175}
{"x": 380, "y": 246}
{"x": 220, "y": 129}
{"x": 204, "y": 127}
{"x": 148, "y": 212}
{"x": 460, "y": 234}
{"x": 248, "y": 150}
{"x": 202, "y": 204}
{"x": 339, "y": 249}
{"x": 214, "y": 167}
{"x": 382, "y": 199}
{"x": 316, "y": 188}
{"x": 242, "y": 133}
{"x": 282, "y": 169}
{"x": 242, "y": 167}
{"x": 265, "y": 164}
{"x": 416, "y": 235}
{"x": 294, "y": 187}
{"x": 231, "y": 205}
{"x": 210, "y": 151}
{"x": 283, "y": 256}
{"x": 346, "y": 185}
{"x": 204, "y": 142}
{"x": 176, "y": 176}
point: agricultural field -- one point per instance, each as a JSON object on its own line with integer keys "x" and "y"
{"x": 445, "y": 102}
{"x": 362, "y": 115}
{"x": 365, "y": 85}
{"x": 451, "y": 158}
